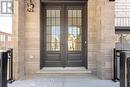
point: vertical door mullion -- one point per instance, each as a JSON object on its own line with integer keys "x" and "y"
{"x": 66, "y": 34}
{"x": 62, "y": 36}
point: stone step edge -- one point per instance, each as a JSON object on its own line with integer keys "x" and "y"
{"x": 64, "y": 72}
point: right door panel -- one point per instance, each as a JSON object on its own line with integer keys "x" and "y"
{"x": 74, "y": 48}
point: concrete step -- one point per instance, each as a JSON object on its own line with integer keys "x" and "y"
{"x": 66, "y": 70}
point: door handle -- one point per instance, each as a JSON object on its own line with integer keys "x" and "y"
{"x": 85, "y": 42}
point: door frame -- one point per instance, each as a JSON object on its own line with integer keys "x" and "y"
{"x": 43, "y": 30}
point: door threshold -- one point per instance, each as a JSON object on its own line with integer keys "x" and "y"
{"x": 64, "y": 70}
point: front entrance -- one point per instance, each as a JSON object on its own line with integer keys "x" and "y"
{"x": 64, "y": 36}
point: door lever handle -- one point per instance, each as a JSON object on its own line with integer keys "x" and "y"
{"x": 85, "y": 42}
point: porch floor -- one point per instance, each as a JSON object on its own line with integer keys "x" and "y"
{"x": 63, "y": 80}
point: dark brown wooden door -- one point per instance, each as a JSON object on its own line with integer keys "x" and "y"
{"x": 64, "y": 36}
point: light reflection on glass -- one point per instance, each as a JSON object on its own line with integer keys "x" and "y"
{"x": 74, "y": 30}
{"x": 53, "y": 30}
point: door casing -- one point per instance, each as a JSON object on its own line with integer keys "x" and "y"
{"x": 43, "y": 34}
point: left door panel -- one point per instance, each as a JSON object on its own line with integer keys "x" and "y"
{"x": 53, "y": 37}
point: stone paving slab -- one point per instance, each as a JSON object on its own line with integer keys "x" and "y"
{"x": 77, "y": 81}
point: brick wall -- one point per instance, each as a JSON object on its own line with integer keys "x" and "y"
{"x": 5, "y": 40}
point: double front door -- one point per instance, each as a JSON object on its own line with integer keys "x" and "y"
{"x": 64, "y": 36}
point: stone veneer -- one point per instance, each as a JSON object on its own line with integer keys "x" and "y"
{"x": 101, "y": 34}
{"x": 18, "y": 39}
